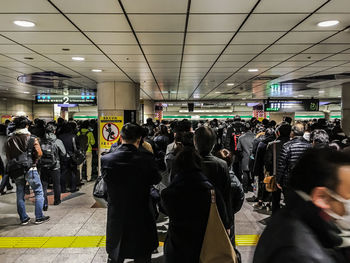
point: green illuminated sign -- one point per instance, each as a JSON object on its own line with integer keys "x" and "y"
{"x": 272, "y": 109}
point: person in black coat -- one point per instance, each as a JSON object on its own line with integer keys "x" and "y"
{"x": 187, "y": 202}
{"x": 314, "y": 225}
{"x": 129, "y": 175}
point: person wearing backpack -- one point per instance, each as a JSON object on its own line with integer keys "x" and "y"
{"x": 53, "y": 150}
{"x": 23, "y": 152}
{"x": 85, "y": 141}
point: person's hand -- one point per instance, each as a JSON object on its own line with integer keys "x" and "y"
{"x": 279, "y": 186}
{"x": 228, "y": 231}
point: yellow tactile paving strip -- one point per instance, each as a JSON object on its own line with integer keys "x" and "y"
{"x": 86, "y": 241}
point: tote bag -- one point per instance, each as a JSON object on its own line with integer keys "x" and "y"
{"x": 217, "y": 247}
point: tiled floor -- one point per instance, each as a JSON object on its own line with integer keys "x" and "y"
{"x": 75, "y": 217}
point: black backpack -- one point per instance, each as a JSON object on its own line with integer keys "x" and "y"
{"x": 20, "y": 165}
{"x": 50, "y": 154}
{"x": 83, "y": 141}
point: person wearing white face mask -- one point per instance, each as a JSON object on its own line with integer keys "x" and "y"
{"x": 315, "y": 224}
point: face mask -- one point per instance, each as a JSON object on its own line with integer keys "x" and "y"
{"x": 342, "y": 221}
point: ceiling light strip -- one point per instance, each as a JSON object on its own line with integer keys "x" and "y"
{"x": 138, "y": 42}
{"x": 226, "y": 46}
{"x": 183, "y": 46}
{"x": 278, "y": 39}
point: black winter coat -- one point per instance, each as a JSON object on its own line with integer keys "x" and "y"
{"x": 290, "y": 154}
{"x": 269, "y": 153}
{"x": 300, "y": 233}
{"x": 217, "y": 172}
{"x": 131, "y": 226}
{"x": 187, "y": 202}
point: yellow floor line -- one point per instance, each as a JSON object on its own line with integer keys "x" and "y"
{"x": 86, "y": 241}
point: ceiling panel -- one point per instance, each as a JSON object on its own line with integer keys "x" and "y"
{"x": 208, "y": 38}
{"x": 203, "y": 49}
{"x": 215, "y": 22}
{"x": 160, "y": 38}
{"x": 158, "y": 49}
{"x": 13, "y": 49}
{"x": 304, "y": 37}
{"x": 243, "y": 58}
{"x": 165, "y": 23}
{"x": 100, "y": 22}
{"x": 198, "y": 57}
{"x": 272, "y": 22}
{"x": 340, "y": 38}
{"x": 287, "y": 6}
{"x": 244, "y": 49}
{"x": 289, "y": 49}
{"x": 88, "y": 6}
{"x": 43, "y": 22}
{"x": 25, "y": 6}
{"x": 222, "y": 6}
{"x": 336, "y": 6}
{"x": 155, "y": 6}
{"x": 47, "y": 37}
{"x": 121, "y": 49}
{"x": 57, "y": 49}
{"x": 104, "y": 38}
{"x": 311, "y": 23}
{"x": 256, "y": 37}
{"x": 328, "y": 48}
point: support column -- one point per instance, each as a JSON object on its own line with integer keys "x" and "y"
{"x": 148, "y": 108}
{"x": 117, "y": 99}
{"x": 345, "y": 105}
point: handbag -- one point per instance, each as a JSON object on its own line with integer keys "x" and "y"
{"x": 216, "y": 247}
{"x": 100, "y": 188}
{"x": 270, "y": 180}
{"x": 78, "y": 157}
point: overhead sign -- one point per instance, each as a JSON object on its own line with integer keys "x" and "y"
{"x": 65, "y": 99}
{"x": 291, "y": 105}
{"x": 110, "y": 127}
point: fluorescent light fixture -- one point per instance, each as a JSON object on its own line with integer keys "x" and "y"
{"x": 230, "y": 84}
{"x": 26, "y": 92}
{"x": 321, "y": 91}
{"x": 300, "y": 95}
{"x": 96, "y": 70}
{"x": 218, "y": 92}
{"x": 253, "y": 70}
{"x": 78, "y": 58}
{"x": 328, "y": 23}
{"x": 173, "y": 92}
{"x": 24, "y": 23}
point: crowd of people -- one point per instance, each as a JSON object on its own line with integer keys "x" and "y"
{"x": 298, "y": 172}
{"x": 40, "y": 155}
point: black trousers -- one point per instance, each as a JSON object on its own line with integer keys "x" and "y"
{"x": 276, "y": 200}
{"x": 146, "y": 259}
{"x": 5, "y": 182}
{"x": 55, "y": 175}
{"x": 69, "y": 175}
{"x": 246, "y": 180}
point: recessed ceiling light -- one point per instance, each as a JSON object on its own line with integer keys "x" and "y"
{"x": 26, "y": 92}
{"x": 300, "y": 95}
{"x": 24, "y": 23}
{"x": 78, "y": 58}
{"x": 339, "y": 96}
{"x": 96, "y": 70}
{"x": 253, "y": 70}
{"x": 218, "y": 92}
{"x": 321, "y": 91}
{"x": 230, "y": 84}
{"x": 328, "y": 23}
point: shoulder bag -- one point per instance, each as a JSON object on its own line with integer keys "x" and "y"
{"x": 216, "y": 247}
{"x": 270, "y": 180}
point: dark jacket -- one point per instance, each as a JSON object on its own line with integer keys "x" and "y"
{"x": 259, "y": 159}
{"x": 290, "y": 154}
{"x": 300, "y": 233}
{"x": 237, "y": 193}
{"x": 269, "y": 153}
{"x": 60, "y": 149}
{"x": 67, "y": 139}
{"x": 245, "y": 145}
{"x": 17, "y": 144}
{"x": 217, "y": 172}
{"x": 131, "y": 226}
{"x": 187, "y": 202}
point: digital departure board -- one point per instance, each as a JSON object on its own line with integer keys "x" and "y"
{"x": 65, "y": 99}
{"x": 272, "y": 105}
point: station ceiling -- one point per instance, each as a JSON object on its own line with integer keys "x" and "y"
{"x": 178, "y": 49}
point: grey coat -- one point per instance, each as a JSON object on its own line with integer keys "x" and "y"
{"x": 245, "y": 146}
